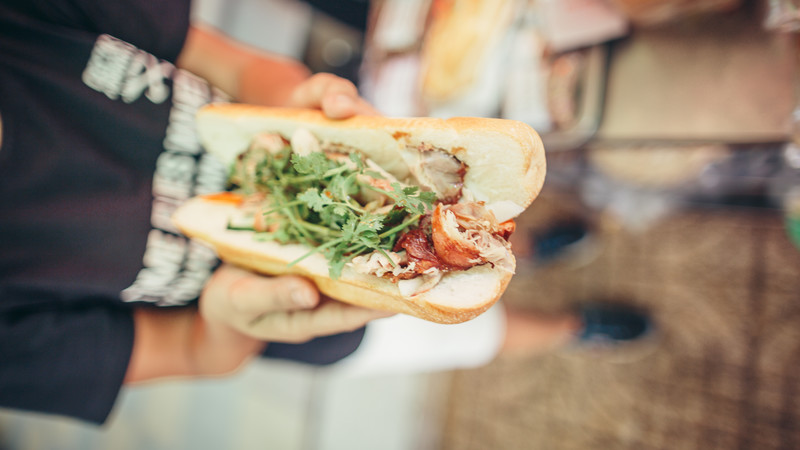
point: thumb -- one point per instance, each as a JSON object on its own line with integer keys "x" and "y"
{"x": 341, "y": 106}
{"x": 331, "y": 317}
{"x": 251, "y": 293}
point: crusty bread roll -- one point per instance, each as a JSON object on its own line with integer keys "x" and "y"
{"x": 506, "y": 169}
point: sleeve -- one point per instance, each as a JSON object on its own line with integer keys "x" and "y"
{"x": 64, "y": 359}
{"x": 321, "y": 351}
{"x": 157, "y": 27}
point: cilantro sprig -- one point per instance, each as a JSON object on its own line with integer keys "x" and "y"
{"x": 318, "y": 201}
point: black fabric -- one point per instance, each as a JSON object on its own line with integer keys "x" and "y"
{"x": 321, "y": 351}
{"x": 66, "y": 359}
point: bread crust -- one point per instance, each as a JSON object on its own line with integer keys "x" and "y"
{"x": 506, "y": 158}
{"x": 506, "y": 163}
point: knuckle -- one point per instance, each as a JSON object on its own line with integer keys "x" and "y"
{"x": 241, "y": 293}
{"x": 297, "y": 339}
{"x": 337, "y": 83}
{"x": 279, "y": 327}
{"x": 324, "y": 76}
{"x": 236, "y": 296}
{"x": 295, "y": 334}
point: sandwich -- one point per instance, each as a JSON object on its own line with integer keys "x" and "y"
{"x": 409, "y": 215}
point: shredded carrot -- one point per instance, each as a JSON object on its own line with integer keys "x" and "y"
{"x": 225, "y": 197}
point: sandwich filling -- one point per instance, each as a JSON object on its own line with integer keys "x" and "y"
{"x": 341, "y": 204}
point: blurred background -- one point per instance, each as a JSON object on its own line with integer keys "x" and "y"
{"x": 671, "y": 129}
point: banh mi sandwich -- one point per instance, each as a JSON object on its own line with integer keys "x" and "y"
{"x": 405, "y": 215}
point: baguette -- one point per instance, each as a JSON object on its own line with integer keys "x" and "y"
{"x": 505, "y": 168}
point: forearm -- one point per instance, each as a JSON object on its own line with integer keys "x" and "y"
{"x": 265, "y": 82}
{"x": 161, "y": 338}
{"x": 177, "y": 343}
{"x": 247, "y": 74}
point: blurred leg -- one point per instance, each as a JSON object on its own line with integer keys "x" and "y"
{"x": 530, "y": 333}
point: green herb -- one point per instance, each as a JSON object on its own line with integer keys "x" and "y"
{"x": 316, "y": 201}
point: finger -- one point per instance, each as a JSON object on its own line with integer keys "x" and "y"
{"x": 337, "y": 97}
{"x": 299, "y": 326}
{"x": 250, "y": 293}
{"x": 340, "y": 106}
{"x": 310, "y": 93}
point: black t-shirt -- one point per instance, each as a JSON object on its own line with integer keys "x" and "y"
{"x": 98, "y": 149}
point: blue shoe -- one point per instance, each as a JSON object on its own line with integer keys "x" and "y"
{"x": 612, "y": 324}
{"x": 571, "y": 242}
{"x": 556, "y": 241}
{"x": 614, "y": 333}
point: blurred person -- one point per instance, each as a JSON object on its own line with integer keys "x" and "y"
{"x": 97, "y": 149}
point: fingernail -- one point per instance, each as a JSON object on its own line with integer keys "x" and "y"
{"x": 345, "y": 101}
{"x": 301, "y": 296}
{"x": 382, "y": 314}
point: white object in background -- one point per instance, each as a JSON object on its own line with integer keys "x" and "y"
{"x": 783, "y": 15}
{"x": 390, "y": 412}
{"x": 572, "y": 24}
{"x": 400, "y": 24}
{"x": 403, "y": 344}
{"x": 484, "y": 97}
{"x": 526, "y": 94}
{"x": 392, "y": 86}
{"x": 279, "y": 26}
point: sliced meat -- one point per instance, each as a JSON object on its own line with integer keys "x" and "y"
{"x": 466, "y": 234}
{"x": 437, "y": 171}
{"x": 449, "y": 241}
{"x": 419, "y": 250}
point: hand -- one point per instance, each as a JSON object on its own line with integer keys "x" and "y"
{"x": 276, "y": 309}
{"x": 239, "y": 311}
{"x": 337, "y": 97}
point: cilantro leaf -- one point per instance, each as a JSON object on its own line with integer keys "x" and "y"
{"x": 315, "y": 164}
{"x": 374, "y": 174}
{"x": 356, "y": 158}
{"x": 342, "y": 187}
{"x": 411, "y": 198}
{"x": 316, "y": 201}
{"x": 370, "y": 222}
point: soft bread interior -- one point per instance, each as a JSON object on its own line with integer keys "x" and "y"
{"x": 505, "y": 158}
{"x": 459, "y": 297}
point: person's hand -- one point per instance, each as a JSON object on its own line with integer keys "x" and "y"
{"x": 337, "y": 97}
{"x": 240, "y": 312}
{"x": 276, "y": 309}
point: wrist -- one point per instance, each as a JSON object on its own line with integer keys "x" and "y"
{"x": 178, "y": 342}
{"x": 270, "y": 82}
{"x": 161, "y": 337}
{"x": 215, "y": 348}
